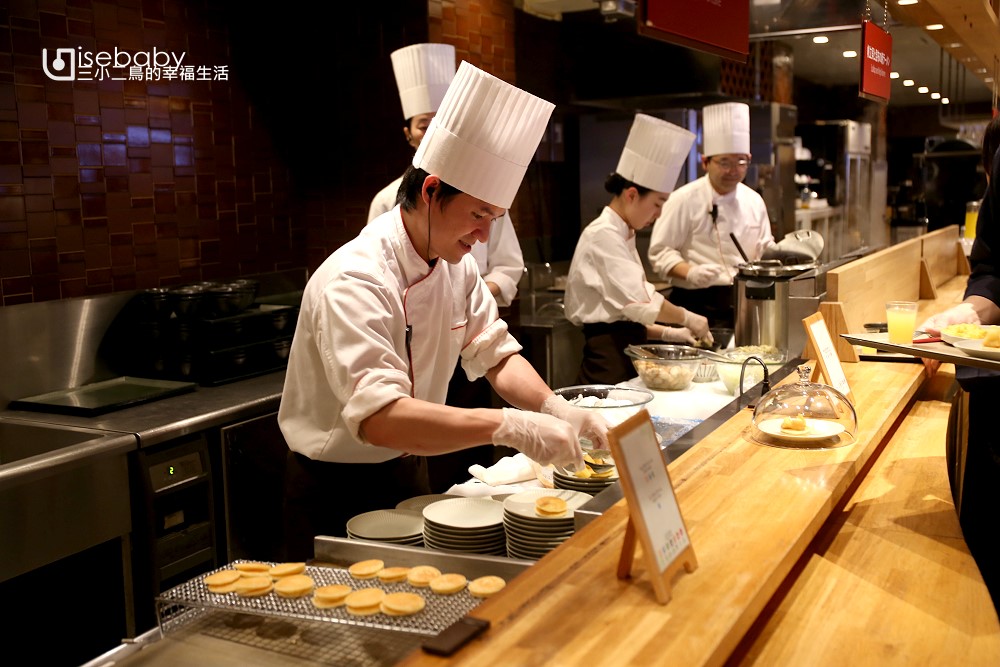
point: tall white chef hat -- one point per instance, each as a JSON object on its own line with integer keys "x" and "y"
{"x": 727, "y": 128}
{"x": 654, "y": 153}
{"x": 423, "y": 72}
{"x": 483, "y": 136}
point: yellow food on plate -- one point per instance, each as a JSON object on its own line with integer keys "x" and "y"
{"x": 448, "y": 584}
{"x": 327, "y": 597}
{"x": 550, "y": 506}
{"x": 294, "y": 586}
{"x": 483, "y": 587}
{"x": 795, "y": 424}
{"x": 992, "y": 337}
{"x": 365, "y": 602}
{"x": 402, "y": 604}
{"x": 586, "y": 473}
{"x": 422, "y": 575}
{"x": 366, "y": 569}
{"x": 965, "y": 330}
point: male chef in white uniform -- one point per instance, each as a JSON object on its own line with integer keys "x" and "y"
{"x": 690, "y": 244}
{"x": 422, "y": 73}
{"x": 384, "y": 318}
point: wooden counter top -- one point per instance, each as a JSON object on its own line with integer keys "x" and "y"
{"x": 751, "y": 511}
{"x": 889, "y": 580}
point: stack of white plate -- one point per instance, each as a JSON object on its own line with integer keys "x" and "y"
{"x": 470, "y": 525}
{"x": 531, "y": 536}
{"x": 396, "y": 526}
{"x": 591, "y": 485}
{"x": 418, "y": 503}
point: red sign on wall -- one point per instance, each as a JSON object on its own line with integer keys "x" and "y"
{"x": 876, "y": 62}
{"x": 720, "y": 27}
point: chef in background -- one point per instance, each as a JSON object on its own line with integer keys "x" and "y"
{"x": 422, "y": 73}
{"x": 690, "y": 243}
{"x": 384, "y": 318}
{"x": 606, "y": 289}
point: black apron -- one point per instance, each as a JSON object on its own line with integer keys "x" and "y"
{"x": 716, "y": 303}
{"x": 604, "y": 358}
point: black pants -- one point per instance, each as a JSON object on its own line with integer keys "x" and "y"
{"x": 604, "y": 358}
{"x": 716, "y": 303}
{"x": 980, "y": 502}
{"x": 320, "y": 497}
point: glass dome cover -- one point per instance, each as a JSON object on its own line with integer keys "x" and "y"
{"x": 804, "y": 415}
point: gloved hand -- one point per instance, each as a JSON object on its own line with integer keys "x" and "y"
{"x": 963, "y": 313}
{"x": 586, "y": 423}
{"x": 677, "y": 335}
{"x": 698, "y": 326}
{"x": 703, "y": 275}
{"x": 542, "y": 438}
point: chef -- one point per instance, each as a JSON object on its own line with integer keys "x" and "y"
{"x": 422, "y": 73}
{"x": 606, "y": 289}
{"x": 384, "y": 318}
{"x": 690, "y": 243}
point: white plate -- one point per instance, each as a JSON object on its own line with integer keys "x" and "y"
{"x": 386, "y": 524}
{"x": 816, "y": 429}
{"x": 523, "y": 504}
{"x": 418, "y": 503}
{"x": 974, "y": 348}
{"x": 951, "y": 340}
{"x": 465, "y": 512}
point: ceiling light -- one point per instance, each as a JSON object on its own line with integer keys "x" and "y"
{"x": 981, "y": 70}
{"x": 907, "y": 82}
{"x": 923, "y": 89}
{"x": 952, "y": 45}
{"x": 945, "y": 100}
{"x": 820, "y": 39}
{"x": 893, "y": 75}
{"x": 935, "y": 96}
{"x": 903, "y": 3}
{"x": 934, "y": 26}
{"x": 988, "y": 79}
{"x": 850, "y": 54}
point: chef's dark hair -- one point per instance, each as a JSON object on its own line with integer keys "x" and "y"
{"x": 409, "y": 190}
{"x": 991, "y": 141}
{"x": 617, "y": 184}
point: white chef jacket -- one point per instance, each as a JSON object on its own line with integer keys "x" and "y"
{"x": 352, "y": 353}
{"x": 606, "y": 281}
{"x": 500, "y": 260}
{"x": 684, "y": 232}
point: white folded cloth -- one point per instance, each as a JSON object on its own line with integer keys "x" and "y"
{"x": 475, "y": 489}
{"x": 508, "y": 470}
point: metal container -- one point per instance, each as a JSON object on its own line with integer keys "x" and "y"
{"x": 762, "y": 297}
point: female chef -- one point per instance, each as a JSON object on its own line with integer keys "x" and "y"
{"x": 606, "y": 290}
{"x": 384, "y": 318}
{"x": 422, "y": 73}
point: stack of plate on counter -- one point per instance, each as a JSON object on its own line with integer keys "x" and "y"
{"x": 470, "y": 525}
{"x": 591, "y": 485}
{"x": 396, "y": 526}
{"x": 531, "y": 536}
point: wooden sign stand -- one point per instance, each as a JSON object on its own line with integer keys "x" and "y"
{"x": 826, "y": 354}
{"x": 654, "y": 516}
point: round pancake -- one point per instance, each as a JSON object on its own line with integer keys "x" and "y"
{"x": 286, "y": 569}
{"x": 252, "y": 568}
{"x": 550, "y": 506}
{"x": 221, "y": 590}
{"x": 402, "y": 604}
{"x": 332, "y": 595}
{"x": 448, "y": 584}
{"x": 366, "y": 598}
{"x": 366, "y": 569}
{"x": 253, "y": 586}
{"x": 393, "y": 574}
{"x": 294, "y": 586}
{"x": 221, "y": 578}
{"x": 421, "y": 575}
{"x": 483, "y": 587}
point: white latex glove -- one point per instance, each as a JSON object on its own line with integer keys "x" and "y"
{"x": 587, "y": 423}
{"x": 703, "y": 275}
{"x": 677, "y": 335}
{"x": 963, "y": 313}
{"x": 542, "y": 438}
{"x": 698, "y": 326}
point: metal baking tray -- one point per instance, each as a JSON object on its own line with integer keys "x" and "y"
{"x": 99, "y": 398}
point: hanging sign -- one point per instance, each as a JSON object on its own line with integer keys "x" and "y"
{"x": 876, "y": 62}
{"x": 720, "y": 27}
{"x": 654, "y": 516}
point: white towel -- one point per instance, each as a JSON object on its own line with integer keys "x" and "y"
{"x": 508, "y": 470}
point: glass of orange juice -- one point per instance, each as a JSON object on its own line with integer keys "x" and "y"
{"x": 901, "y": 316}
{"x": 971, "y": 216}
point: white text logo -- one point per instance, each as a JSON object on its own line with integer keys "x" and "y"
{"x": 78, "y": 65}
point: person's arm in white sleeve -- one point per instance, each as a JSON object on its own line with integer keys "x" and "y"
{"x": 667, "y": 236}
{"x": 505, "y": 262}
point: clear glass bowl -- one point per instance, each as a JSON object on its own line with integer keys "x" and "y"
{"x": 729, "y": 371}
{"x": 616, "y": 403}
{"x": 665, "y": 367}
{"x": 804, "y": 415}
